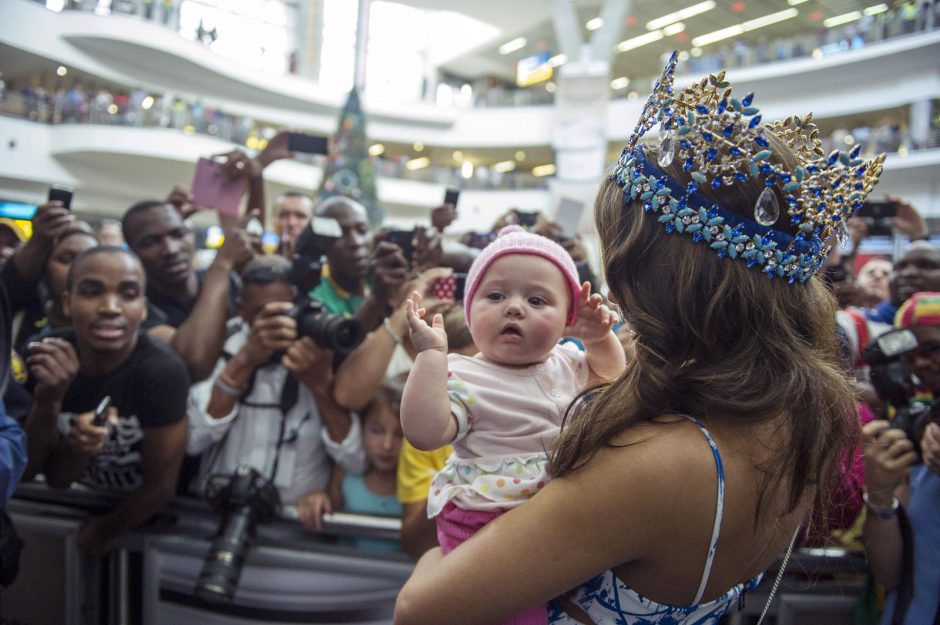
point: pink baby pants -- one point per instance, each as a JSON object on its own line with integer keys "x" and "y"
{"x": 455, "y": 525}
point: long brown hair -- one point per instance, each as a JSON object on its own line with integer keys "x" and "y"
{"x": 719, "y": 341}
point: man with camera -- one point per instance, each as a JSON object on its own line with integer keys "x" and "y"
{"x": 268, "y": 404}
{"x": 902, "y": 469}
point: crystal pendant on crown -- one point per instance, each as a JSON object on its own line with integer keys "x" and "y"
{"x": 766, "y": 209}
{"x": 667, "y": 149}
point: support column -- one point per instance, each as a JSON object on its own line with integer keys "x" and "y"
{"x": 919, "y": 128}
{"x": 362, "y": 46}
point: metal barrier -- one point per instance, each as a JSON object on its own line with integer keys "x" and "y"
{"x": 290, "y": 574}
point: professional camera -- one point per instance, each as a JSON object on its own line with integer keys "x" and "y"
{"x": 329, "y": 331}
{"x": 894, "y": 384}
{"x": 245, "y": 499}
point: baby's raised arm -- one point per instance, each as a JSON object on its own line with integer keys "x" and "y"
{"x": 426, "y": 418}
{"x": 602, "y": 349}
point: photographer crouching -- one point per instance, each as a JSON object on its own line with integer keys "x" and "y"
{"x": 265, "y": 421}
{"x": 902, "y": 468}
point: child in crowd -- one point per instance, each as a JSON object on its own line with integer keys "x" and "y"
{"x": 502, "y": 409}
{"x": 372, "y": 492}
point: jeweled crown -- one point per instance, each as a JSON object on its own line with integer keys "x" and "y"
{"x": 720, "y": 141}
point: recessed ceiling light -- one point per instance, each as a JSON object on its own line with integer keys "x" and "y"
{"x": 458, "y": 155}
{"x": 737, "y": 29}
{"x": 594, "y": 24}
{"x": 520, "y": 155}
{"x": 417, "y": 163}
{"x": 620, "y": 83}
{"x": 376, "y": 149}
{"x": 511, "y": 46}
{"x": 674, "y": 29}
{"x": 558, "y": 59}
{"x": 504, "y": 166}
{"x": 466, "y": 170}
{"x": 61, "y": 70}
{"x": 642, "y": 40}
{"x": 418, "y": 146}
{"x": 845, "y": 18}
{"x": 680, "y": 15}
{"x": 875, "y": 9}
{"x": 793, "y": 3}
{"x": 544, "y": 170}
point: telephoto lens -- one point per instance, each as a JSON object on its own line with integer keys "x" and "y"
{"x": 245, "y": 499}
{"x": 333, "y": 332}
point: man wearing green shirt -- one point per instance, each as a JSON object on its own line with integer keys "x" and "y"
{"x": 357, "y": 280}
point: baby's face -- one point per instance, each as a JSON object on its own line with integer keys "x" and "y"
{"x": 520, "y": 309}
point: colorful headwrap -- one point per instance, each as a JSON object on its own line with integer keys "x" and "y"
{"x": 922, "y": 309}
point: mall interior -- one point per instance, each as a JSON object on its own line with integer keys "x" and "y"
{"x": 442, "y": 121}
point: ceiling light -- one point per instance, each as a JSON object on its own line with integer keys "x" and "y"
{"x": 793, "y": 3}
{"x": 683, "y": 55}
{"x": 520, "y": 155}
{"x": 113, "y": 109}
{"x": 875, "y": 9}
{"x": 466, "y": 170}
{"x": 511, "y": 46}
{"x": 458, "y": 155}
{"x": 550, "y": 87}
{"x": 418, "y": 146}
{"x": 377, "y": 149}
{"x": 642, "y": 40}
{"x": 845, "y": 18}
{"x": 680, "y": 15}
{"x": 632, "y": 96}
{"x": 674, "y": 29}
{"x": 737, "y": 29}
{"x": 773, "y": 18}
{"x": 696, "y": 52}
{"x": 147, "y": 102}
{"x": 558, "y": 59}
{"x": 61, "y": 70}
{"x": 417, "y": 163}
{"x": 620, "y": 83}
{"x": 504, "y": 166}
{"x": 594, "y": 24}
{"x": 544, "y": 170}
{"x": 718, "y": 35}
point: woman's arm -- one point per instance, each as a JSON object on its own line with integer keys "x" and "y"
{"x": 606, "y": 514}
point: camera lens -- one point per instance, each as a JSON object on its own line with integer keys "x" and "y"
{"x": 331, "y": 331}
{"x": 223, "y": 565}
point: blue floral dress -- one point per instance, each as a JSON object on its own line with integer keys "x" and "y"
{"x": 608, "y": 601}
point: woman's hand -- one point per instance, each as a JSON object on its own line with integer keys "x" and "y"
{"x": 425, "y": 336}
{"x": 311, "y": 509}
{"x": 595, "y": 319}
{"x": 888, "y": 456}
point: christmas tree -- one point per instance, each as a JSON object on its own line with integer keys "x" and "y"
{"x": 349, "y": 170}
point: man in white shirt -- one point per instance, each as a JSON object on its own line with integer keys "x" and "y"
{"x": 274, "y": 414}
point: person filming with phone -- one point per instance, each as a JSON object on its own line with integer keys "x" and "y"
{"x": 902, "y": 476}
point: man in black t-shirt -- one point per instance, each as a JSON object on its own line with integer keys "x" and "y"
{"x": 187, "y": 310}
{"x": 140, "y": 449}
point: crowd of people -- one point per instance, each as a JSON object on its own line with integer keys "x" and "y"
{"x": 719, "y": 403}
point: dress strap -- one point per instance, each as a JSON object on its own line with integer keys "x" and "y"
{"x": 719, "y": 509}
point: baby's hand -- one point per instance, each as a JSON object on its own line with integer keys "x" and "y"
{"x": 425, "y": 336}
{"x": 595, "y": 319}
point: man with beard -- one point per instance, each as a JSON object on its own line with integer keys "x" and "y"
{"x": 138, "y": 451}
{"x": 358, "y": 281}
{"x": 185, "y": 307}
{"x": 918, "y": 269}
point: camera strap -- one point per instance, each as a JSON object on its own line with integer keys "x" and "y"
{"x": 289, "y": 395}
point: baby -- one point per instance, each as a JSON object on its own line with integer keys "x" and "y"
{"x": 502, "y": 409}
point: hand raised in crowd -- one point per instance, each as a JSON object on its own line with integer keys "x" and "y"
{"x": 182, "y": 200}
{"x": 50, "y": 221}
{"x": 276, "y": 149}
{"x": 427, "y": 248}
{"x": 595, "y": 318}
{"x": 424, "y": 336}
{"x": 443, "y": 216}
{"x": 312, "y": 507}
{"x": 310, "y": 363}
{"x": 390, "y": 271}
{"x": 54, "y": 364}
{"x": 889, "y": 454}
{"x": 272, "y": 331}
{"x": 423, "y": 283}
{"x": 238, "y": 164}
{"x": 908, "y": 220}
{"x": 87, "y": 436}
{"x": 252, "y": 223}
{"x": 237, "y": 250}
{"x": 930, "y": 447}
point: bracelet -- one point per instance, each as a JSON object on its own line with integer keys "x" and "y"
{"x": 881, "y": 512}
{"x": 388, "y": 328}
{"x": 228, "y": 389}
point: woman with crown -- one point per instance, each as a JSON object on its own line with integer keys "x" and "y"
{"x": 676, "y": 485}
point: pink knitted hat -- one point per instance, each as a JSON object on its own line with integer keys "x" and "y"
{"x": 515, "y": 240}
